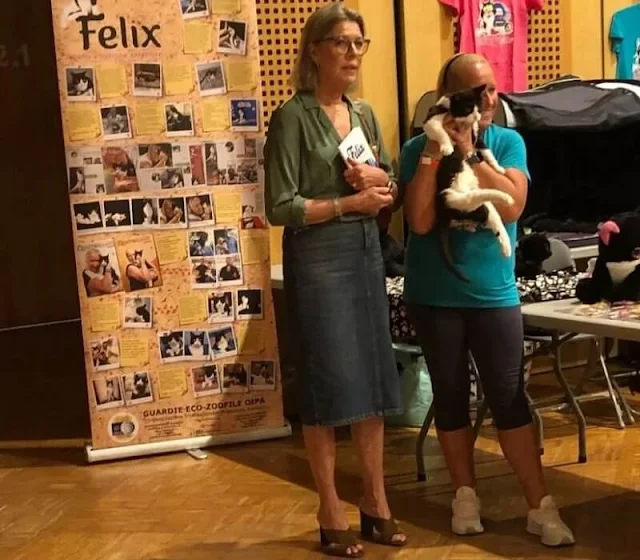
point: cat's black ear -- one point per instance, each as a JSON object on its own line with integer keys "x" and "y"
{"x": 479, "y": 90}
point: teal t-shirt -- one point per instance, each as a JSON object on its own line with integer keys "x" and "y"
{"x": 624, "y": 33}
{"x": 477, "y": 254}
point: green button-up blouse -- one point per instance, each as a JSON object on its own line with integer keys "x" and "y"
{"x": 302, "y": 160}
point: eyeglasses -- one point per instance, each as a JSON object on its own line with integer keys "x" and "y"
{"x": 343, "y": 44}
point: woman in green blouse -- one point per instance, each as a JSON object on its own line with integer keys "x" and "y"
{"x": 333, "y": 270}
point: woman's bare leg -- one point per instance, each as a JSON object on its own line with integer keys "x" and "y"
{"x": 320, "y": 446}
{"x": 521, "y": 450}
{"x": 368, "y": 439}
{"x": 457, "y": 448}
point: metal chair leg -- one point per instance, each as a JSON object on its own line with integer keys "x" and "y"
{"x": 612, "y": 391}
{"x": 582, "y": 423}
{"x": 591, "y": 360}
{"x": 537, "y": 422}
{"x": 625, "y": 405}
{"x": 422, "y": 474}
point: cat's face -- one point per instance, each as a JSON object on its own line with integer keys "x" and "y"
{"x": 197, "y": 340}
{"x": 80, "y": 83}
{"x": 465, "y": 103}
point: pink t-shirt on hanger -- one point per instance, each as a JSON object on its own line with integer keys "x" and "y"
{"x": 498, "y": 30}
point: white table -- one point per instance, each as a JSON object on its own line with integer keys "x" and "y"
{"x": 584, "y": 252}
{"x": 553, "y": 315}
{"x": 564, "y": 325}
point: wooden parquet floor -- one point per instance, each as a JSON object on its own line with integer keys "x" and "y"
{"x": 255, "y": 501}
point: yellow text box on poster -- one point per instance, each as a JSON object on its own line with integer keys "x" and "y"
{"x": 251, "y": 336}
{"x": 192, "y": 309}
{"x": 226, "y": 6}
{"x": 178, "y": 78}
{"x": 82, "y": 122}
{"x": 105, "y": 314}
{"x": 112, "y": 80}
{"x": 134, "y": 350}
{"x": 215, "y": 114}
{"x": 172, "y": 382}
{"x": 228, "y": 207}
{"x": 149, "y": 118}
{"x": 171, "y": 246}
{"x": 255, "y": 246}
{"x": 198, "y": 38}
{"x": 241, "y": 76}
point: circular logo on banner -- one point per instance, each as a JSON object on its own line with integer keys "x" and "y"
{"x": 123, "y": 427}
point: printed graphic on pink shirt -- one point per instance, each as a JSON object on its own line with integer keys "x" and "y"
{"x": 495, "y": 24}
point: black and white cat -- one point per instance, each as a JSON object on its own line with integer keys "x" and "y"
{"x": 210, "y": 379}
{"x": 460, "y": 202}
{"x": 197, "y": 346}
{"x": 79, "y": 8}
{"x": 106, "y": 265}
{"x": 81, "y": 84}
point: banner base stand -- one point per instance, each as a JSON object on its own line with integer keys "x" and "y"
{"x": 170, "y": 446}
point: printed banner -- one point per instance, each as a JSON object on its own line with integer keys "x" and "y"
{"x": 162, "y": 124}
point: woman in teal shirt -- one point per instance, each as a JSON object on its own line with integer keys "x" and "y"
{"x": 452, "y": 317}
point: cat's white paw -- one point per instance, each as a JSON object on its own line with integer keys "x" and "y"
{"x": 501, "y": 170}
{"x": 507, "y": 199}
{"x": 505, "y": 246}
{"x": 446, "y": 149}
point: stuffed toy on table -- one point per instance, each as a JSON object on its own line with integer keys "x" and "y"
{"x": 616, "y": 274}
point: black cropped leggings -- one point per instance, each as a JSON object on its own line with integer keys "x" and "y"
{"x": 495, "y": 338}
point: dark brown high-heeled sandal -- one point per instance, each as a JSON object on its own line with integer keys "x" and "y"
{"x": 338, "y": 543}
{"x": 380, "y": 531}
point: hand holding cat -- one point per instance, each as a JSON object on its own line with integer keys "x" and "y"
{"x": 460, "y": 134}
{"x": 363, "y": 176}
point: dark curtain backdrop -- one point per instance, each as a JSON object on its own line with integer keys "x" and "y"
{"x": 38, "y": 281}
{"x": 41, "y": 369}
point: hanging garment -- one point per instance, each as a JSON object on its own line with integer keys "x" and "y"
{"x": 624, "y": 34}
{"x": 498, "y": 30}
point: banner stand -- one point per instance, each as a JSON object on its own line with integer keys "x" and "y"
{"x": 164, "y": 137}
{"x": 171, "y": 446}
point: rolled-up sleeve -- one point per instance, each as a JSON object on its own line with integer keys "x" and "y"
{"x": 284, "y": 205}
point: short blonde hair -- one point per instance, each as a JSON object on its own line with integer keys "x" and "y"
{"x": 449, "y": 78}
{"x": 305, "y": 73}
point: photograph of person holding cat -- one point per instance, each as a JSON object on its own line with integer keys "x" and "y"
{"x": 100, "y": 275}
{"x": 480, "y": 314}
{"x": 141, "y": 274}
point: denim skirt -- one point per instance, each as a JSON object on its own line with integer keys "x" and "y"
{"x": 337, "y": 305}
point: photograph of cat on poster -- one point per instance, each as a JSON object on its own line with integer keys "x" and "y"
{"x": 119, "y": 170}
